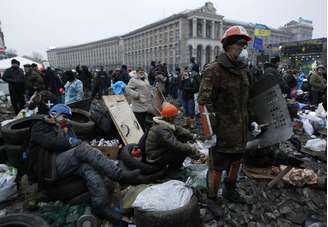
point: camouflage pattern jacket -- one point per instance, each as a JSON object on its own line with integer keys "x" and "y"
{"x": 224, "y": 90}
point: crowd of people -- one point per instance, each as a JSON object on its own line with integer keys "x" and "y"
{"x": 222, "y": 86}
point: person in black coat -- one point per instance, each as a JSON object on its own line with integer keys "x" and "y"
{"x": 14, "y": 76}
{"x": 102, "y": 82}
{"x": 53, "y": 137}
{"x": 52, "y": 82}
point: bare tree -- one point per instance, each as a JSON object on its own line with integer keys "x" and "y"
{"x": 37, "y": 56}
{"x": 11, "y": 53}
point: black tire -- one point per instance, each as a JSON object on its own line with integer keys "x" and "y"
{"x": 81, "y": 123}
{"x": 14, "y": 155}
{"x": 186, "y": 216}
{"x": 83, "y": 104}
{"x": 16, "y": 132}
{"x": 3, "y": 154}
{"x": 22, "y": 220}
{"x": 132, "y": 163}
{"x": 144, "y": 179}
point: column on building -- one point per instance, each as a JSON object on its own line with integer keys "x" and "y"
{"x": 204, "y": 28}
{"x": 213, "y": 30}
{"x": 221, "y": 29}
{"x": 194, "y": 27}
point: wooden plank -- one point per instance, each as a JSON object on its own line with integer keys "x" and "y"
{"x": 123, "y": 118}
{"x": 279, "y": 177}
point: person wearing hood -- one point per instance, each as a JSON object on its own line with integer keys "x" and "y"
{"x": 166, "y": 143}
{"x": 54, "y": 139}
{"x": 73, "y": 88}
{"x": 139, "y": 89}
{"x": 224, "y": 90}
{"x": 14, "y": 76}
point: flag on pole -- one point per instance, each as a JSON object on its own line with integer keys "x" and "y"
{"x": 262, "y": 30}
{"x": 258, "y": 43}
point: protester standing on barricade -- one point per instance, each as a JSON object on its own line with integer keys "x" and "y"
{"x": 189, "y": 86}
{"x": 224, "y": 91}
{"x": 139, "y": 91}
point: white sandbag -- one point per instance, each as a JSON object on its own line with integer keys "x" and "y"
{"x": 320, "y": 111}
{"x": 8, "y": 186}
{"x": 316, "y": 144}
{"x": 307, "y": 126}
{"x": 170, "y": 195}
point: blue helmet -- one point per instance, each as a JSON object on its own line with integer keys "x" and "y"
{"x": 60, "y": 109}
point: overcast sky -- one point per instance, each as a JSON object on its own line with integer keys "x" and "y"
{"x": 35, "y": 25}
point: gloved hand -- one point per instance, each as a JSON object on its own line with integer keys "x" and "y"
{"x": 128, "y": 177}
{"x": 74, "y": 141}
{"x": 195, "y": 154}
{"x": 255, "y": 129}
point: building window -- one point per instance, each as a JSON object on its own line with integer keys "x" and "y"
{"x": 208, "y": 29}
{"x": 208, "y": 54}
{"x": 190, "y": 27}
{"x": 199, "y": 28}
{"x": 199, "y": 54}
{"x": 190, "y": 51}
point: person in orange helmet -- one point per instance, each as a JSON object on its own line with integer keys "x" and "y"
{"x": 166, "y": 143}
{"x": 224, "y": 91}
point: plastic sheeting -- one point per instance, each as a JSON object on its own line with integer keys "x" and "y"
{"x": 8, "y": 187}
{"x": 170, "y": 195}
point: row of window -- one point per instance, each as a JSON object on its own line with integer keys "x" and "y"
{"x": 165, "y": 34}
{"x": 211, "y": 28}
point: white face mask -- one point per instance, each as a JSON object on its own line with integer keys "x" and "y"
{"x": 243, "y": 56}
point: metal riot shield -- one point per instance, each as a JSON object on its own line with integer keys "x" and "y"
{"x": 269, "y": 106}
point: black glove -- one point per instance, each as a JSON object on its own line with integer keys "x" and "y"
{"x": 128, "y": 177}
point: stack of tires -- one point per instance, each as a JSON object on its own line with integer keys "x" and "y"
{"x": 15, "y": 135}
{"x": 82, "y": 124}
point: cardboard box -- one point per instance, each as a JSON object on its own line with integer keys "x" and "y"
{"x": 110, "y": 152}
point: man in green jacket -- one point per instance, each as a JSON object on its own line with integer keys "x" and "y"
{"x": 34, "y": 81}
{"x": 166, "y": 143}
{"x": 318, "y": 85}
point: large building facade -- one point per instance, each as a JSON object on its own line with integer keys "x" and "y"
{"x": 173, "y": 40}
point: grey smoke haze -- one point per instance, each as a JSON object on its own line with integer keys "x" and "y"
{"x": 36, "y": 25}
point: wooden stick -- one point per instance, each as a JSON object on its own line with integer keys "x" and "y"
{"x": 280, "y": 175}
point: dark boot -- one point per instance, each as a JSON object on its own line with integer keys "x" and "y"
{"x": 230, "y": 193}
{"x": 108, "y": 214}
{"x": 213, "y": 183}
{"x": 129, "y": 176}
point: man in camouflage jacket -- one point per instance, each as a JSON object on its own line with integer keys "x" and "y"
{"x": 224, "y": 90}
